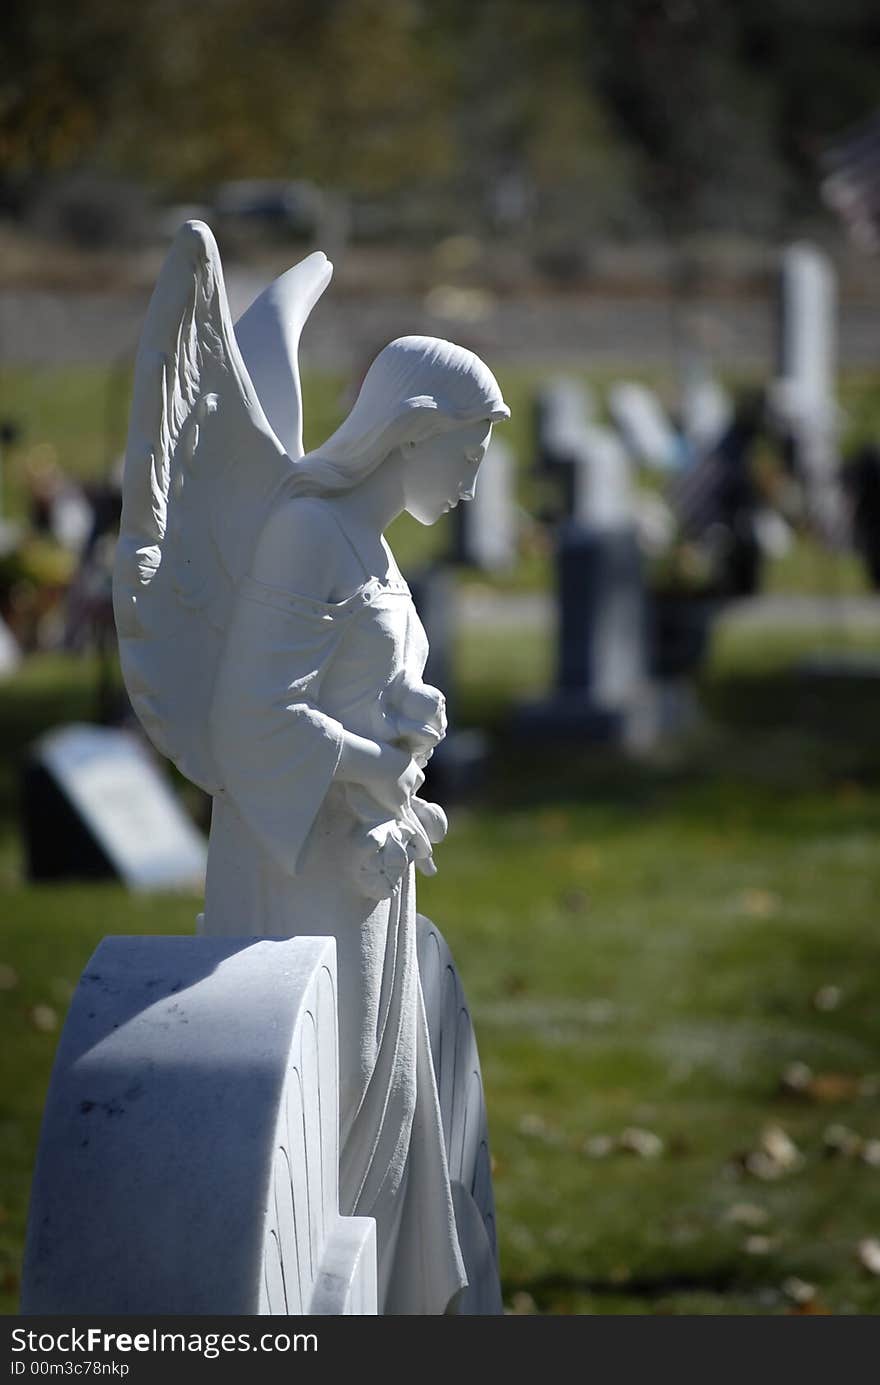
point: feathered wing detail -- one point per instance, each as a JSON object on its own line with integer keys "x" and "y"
{"x": 268, "y": 336}
{"x": 203, "y": 469}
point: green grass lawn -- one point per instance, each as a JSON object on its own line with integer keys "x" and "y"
{"x": 648, "y": 947}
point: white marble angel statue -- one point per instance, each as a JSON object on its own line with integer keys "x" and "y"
{"x": 272, "y": 650}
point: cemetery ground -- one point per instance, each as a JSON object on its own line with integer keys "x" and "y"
{"x": 671, "y": 963}
{"x": 672, "y": 967}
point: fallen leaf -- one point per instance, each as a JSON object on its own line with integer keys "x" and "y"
{"x": 760, "y": 1165}
{"x": 834, "y": 1086}
{"x": 644, "y": 1143}
{"x": 776, "y": 1155}
{"x": 778, "y": 1144}
{"x": 759, "y": 904}
{"x": 598, "y": 1146}
{"x": 44, "y": 1018}
{"x": 747, "y": 1214}
{"x": 523, "y": 1303}
{"x": 827, "y": 998}
{"x": 799, "y": 1080}
{"x": 798, "y": 1290}
{"x": 840, "y": 1140}
{"x": 796, "y": 1079}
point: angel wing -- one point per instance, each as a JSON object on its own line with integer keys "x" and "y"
{"x": 204, "y": 466}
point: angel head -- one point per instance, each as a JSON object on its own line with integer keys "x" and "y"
{"x": 430, "y": 402}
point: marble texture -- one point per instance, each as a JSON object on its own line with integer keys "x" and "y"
{"x": 188, "y": 1160}
{"x": 271, "y": 648}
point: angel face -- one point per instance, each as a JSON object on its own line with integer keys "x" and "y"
{"x": 442, "y": 470}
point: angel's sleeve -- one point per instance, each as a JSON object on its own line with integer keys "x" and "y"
{"x": 276, "y": 750}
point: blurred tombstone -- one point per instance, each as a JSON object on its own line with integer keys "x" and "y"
{"x": 10, "y": 654}
{"x": 718, "y": 506}
{"x": 600, "y": 580}
{"x": 563, "y": 409}
{"x": 564, "y": 406}
{"x": 486, "y": 527}
{"x": 94, "y": 805}
{"x": 862, "y": 479}
{"x": 803, "y": 395}
{"x": 10, "y": 434}
{"x": 601, "y": 611}
{"x": 601, "y": 675}
{"x": 89, "y": 620}
{"x": 706, "y": 409}
{"x": 71, "y": 519}
{"x": 603, "y": 489}
{"x": 58, "y": 507}
{"x": 10, "y": 530}
{"x": 642, "y": 422}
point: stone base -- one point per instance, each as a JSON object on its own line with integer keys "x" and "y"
{"x": 188, "y": 1162}
{"x": 665, "y": 709}
{"x": 567, "y": 717}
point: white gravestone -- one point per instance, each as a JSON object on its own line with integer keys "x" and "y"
{"x": 488, "y": 522}
{"x": 803, "y": 396}
{"x": 10, "y": 654}
{"x": 605, "y": 511}
{"x": 706, "y": 408}
{"x": 643, "y": 425}
{"x": 603, "y": 492}
{"x": 563, "y": 409}
{"x": 112, "y": 782}
{"x": 189, "y": 1156}
{"x": 601, "y": 684}
{"x": 565, "y": 406}
{"x": 463, "y": 1110}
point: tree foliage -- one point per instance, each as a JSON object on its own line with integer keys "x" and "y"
{"x": 615, "y": 112}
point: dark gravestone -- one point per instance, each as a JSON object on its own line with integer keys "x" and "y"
{"x": 601, "y": 615}
{"x": 643, "y": 425}
{"x": 600, "y": 685}
{"x": 600, "y": 682}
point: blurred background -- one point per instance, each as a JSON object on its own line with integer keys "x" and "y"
{"x": 658, "y": 623}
